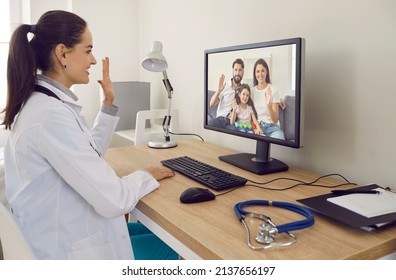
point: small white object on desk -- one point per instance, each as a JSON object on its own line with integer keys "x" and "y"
{"x": 368, "y": 205}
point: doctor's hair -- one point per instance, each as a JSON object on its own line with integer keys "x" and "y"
{"x": 264, "y": 63}
{"x": 26, "y": 57}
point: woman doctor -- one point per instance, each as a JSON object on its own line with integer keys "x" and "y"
{"x": 67, "y": 200}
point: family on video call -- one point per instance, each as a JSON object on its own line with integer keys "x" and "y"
{"x": 248, "y": 109}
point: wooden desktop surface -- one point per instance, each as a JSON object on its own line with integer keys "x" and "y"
{"x": 212, "y": 230}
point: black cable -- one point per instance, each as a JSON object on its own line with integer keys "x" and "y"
{"x": 303, "y": 183}
{"x": 186, "y": 134}
{"x": 299, "y": 183}
{"x": 230, "y": 190}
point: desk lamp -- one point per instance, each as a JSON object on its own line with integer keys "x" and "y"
{"x": 156, "y": 62}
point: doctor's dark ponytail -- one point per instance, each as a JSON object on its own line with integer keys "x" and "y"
{"x": 26, "y": 57}
{"x": 21, "y": 73}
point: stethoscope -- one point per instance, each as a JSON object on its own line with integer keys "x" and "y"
{"x": 268, "y": 230}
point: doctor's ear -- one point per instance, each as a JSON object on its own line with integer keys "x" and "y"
{"x": 60, "y": 54}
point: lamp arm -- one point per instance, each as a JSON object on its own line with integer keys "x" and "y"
{"x": 167, "y": 84}
{"x": 167, "y": 118}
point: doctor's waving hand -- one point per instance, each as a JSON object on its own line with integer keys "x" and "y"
{"x": 67, "y": 200}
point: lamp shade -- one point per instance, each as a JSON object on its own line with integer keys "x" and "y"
{"x": 155, "y": 60}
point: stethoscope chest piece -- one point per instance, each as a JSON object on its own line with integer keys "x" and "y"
{"x": 267, "y": 230}
{"x": 266, "y": 234}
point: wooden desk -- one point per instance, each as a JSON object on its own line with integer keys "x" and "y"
{"x": 211, "y": 230}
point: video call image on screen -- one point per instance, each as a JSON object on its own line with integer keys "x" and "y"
{"x": 254, "y": 91}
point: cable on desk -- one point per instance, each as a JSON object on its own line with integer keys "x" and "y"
{"x": 303, "y": 183}
{"x": 299, "y": 183}
{"x": 187, "y": 134}
{"x": 230, "y": 190}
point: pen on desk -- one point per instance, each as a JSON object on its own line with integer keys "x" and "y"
{"x": 355, "y": 191}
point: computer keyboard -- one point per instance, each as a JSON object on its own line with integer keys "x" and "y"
{"x": 203, "y": 173}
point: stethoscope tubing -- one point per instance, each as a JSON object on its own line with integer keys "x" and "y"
{"x": 296, "y": 225}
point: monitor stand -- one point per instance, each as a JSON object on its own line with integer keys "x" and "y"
{"x": 260, "y": 163}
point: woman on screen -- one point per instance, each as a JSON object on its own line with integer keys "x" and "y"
{"x": 267, "y": 101}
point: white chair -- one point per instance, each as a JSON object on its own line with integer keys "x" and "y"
{"x": 14, "y": 244}
{"x": 142, "y": 134}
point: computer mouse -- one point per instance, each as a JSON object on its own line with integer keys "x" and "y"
{"x": 195, "y": 194}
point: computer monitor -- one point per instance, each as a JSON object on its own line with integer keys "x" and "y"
{"x": 255, "y": 91}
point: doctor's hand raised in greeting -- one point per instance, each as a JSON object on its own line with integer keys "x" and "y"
{"x": 106, "y": 84}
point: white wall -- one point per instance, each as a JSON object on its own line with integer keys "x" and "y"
{"x": 350, "y": 92}
{"x": 114, "y": 26}
{"x": 350, "y": 53}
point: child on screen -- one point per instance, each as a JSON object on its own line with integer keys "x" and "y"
{"x": 244, "y": 115}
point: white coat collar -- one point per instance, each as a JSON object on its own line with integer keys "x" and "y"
{"x": 61, "y": 91}
{"x": 65, "y": 94}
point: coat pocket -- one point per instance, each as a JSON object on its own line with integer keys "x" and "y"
{"x": 93, "y": 247}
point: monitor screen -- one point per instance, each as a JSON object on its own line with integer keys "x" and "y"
{"x": 254, "y": 91}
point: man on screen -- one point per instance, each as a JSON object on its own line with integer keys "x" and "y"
{"x": 224, "y": 97}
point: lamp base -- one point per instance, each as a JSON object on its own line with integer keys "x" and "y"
{"x": 161, "y": 144}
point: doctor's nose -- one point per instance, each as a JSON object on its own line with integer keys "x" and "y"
{"x": 93, "y": 59}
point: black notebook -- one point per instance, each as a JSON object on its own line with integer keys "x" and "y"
{"x": 321, "y": 205}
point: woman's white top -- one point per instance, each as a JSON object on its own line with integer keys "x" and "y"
{"x": 258, "y": 97}
{"x": 67, "y": 200}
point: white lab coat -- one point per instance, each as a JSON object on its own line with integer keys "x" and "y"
{"x": 67, "y": 200}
